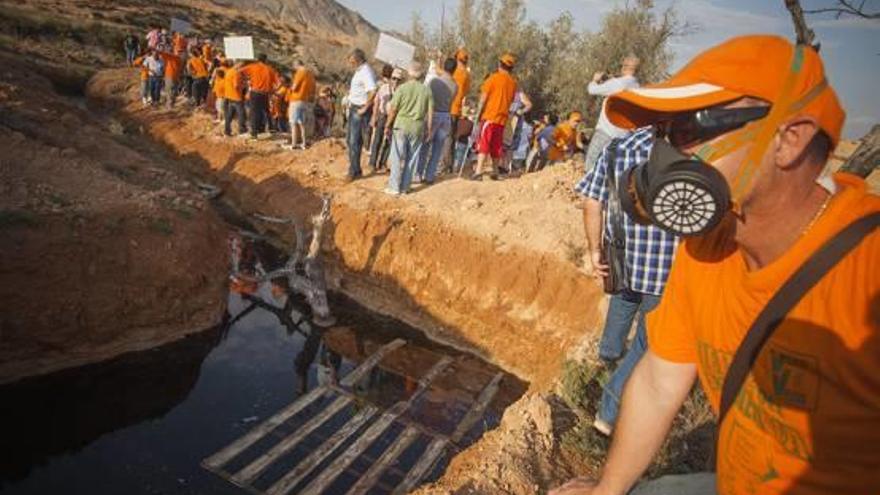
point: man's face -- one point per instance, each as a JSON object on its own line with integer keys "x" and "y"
{"x": 729, "y": 165}
{"x": 352, "y": 62}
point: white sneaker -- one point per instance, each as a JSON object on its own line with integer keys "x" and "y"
{"x": 602, "y": 427}
{"x": 390, "y": 192}
{"x": 287, "y": 147}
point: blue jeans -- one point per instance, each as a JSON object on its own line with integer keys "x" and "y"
{"x": 405, "y": 149}
{"x": 356, "y": 126}
{"x": 621, "y": 311}
{"x": 155, "y": 89}
{"x": 430, "y": 159}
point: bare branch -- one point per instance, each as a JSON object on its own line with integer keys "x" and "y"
{"x": 844, "y": 7}
{"x": 805, "y": 35}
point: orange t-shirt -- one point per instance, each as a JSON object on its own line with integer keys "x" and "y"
{"x": 303, "y": 87}
{"x": 500, "y": 88}
{"x": 139, "y": 62}
{"x": 462, "y": 78}
{"x": 262, "y": 77}
{"x": 563, "y": 135}
{"x": 807, "y": 419}
{"x": 219, "y": 87}
{"x": 173, "y": 66}
{"x": 197, "y": 67}
{"x": 232, "y": 84}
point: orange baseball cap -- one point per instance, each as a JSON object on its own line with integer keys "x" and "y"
{"x": 508, "y": 59}
{"x": 756, "y": 66}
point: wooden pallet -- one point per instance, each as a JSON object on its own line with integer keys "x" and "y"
{"x": 338, "y": 397}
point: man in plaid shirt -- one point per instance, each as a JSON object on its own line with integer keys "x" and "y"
{"x": 648, "y": 252}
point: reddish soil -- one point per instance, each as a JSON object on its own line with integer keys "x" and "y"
{"x": 487, "y": 266}
{"x": 102, "y": 249}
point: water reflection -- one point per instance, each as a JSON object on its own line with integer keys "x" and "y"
{"x": 141, "y": 424}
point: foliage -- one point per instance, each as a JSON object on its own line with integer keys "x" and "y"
{"x": 555, "y": 62}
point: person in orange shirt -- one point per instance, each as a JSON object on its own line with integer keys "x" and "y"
{"x": 278, "y": 106}
{"x": 208, "y": 51}
{"x": 262, "y": 81}
{"x": 198, "y": 70}
{"x": 178, "y": 42}
{"x": 144, "y": 77}
{"x": 462, "y": 78}
{"x": 173, "y": 73}
{"x": 233, "y": 99}
{"x": 564, "y": 138}
{"x": 300, "y": 98}
{"x": 754, "y": 120}
{"x": 218, "y": 86}
{"x": 497, "y": 94}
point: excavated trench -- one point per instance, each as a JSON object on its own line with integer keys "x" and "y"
{"x": 154, "y": 415}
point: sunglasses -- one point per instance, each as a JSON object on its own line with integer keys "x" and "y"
{"x": 704, "y": 125}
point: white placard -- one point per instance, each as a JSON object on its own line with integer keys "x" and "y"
{"x": 393, "y": 51}
{"x": 239, "y": 47}
{"x": 180, "y": 26}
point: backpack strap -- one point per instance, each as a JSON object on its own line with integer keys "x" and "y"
{"x": 794, "y": 289}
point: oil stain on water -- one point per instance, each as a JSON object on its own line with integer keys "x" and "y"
{"x": 267, "y": 402}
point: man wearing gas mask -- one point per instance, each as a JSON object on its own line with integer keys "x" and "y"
{"x": 773, "y": 300}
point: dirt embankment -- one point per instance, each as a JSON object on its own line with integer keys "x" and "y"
{"x": 487, "y": 266}
{"x": 102, "y": 249}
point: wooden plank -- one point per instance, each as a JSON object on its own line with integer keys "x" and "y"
{"x": 319, "y": 484}
{"x": 477, "y": 409}
{"x": 372, "y": 475}
{"x": 220, "y": 458}
{"x": 296, "y": 475}
{"x": 370, "y": 363}
{"x": 229, "y": 452}
{"x": 252, "y": 470}
{"x": 426, "y": 462}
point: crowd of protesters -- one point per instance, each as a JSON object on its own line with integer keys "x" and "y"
{"x": 251, "y": 97}
{"x": 419, "y": 120}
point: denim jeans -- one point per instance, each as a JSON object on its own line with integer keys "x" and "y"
{"x": 429, "y": 159}
{"x": 405, "y": 149}
{"x": 130, "y": 55}
{"x": 357, "y": 124}
{"x": 233, "y": 107}
{"x": 171, "y": 89}
{"x": 259, "y": 112}
{"x": 623, "y": 308}
{"x": 155, "y": 89}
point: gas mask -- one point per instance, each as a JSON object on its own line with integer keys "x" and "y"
{"x": 678, "y": 193}
{"x": 687, "y": 196}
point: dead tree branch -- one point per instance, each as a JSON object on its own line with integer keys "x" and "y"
{"x": 845, "y": 7}
{"x": 866, "y": 157}
{"x": 805, "y": 35}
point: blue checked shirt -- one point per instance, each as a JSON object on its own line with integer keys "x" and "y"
{"x": 649, "y": 250}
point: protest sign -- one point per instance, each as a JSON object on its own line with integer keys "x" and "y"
{"x": 180, "y": 26}
{"x": 394, "y": 51}
{"x": 239, "y": 47}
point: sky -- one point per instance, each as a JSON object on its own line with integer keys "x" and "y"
{"x": 850, "y": 46}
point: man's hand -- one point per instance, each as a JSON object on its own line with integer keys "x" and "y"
{"x": 388, "y": 132}
{"x": 362, "y": 110}
{"x": 600, "y": 270}
{"x": 597, "y": 76}
{"x": 576, "y": 486}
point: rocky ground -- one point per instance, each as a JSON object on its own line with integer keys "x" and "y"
{"x": 103, "y": 249}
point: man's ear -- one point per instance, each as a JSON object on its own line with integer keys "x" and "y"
{"x": 793, "y": 140}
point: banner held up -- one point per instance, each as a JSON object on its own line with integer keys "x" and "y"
{"x": 239, "y": 47}
{"x": 180, "y": 26}
{"x": 394, "y": 51}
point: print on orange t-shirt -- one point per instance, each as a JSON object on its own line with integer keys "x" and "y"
{"x": 500, "y": 89}
{"x": 806, "y": 419}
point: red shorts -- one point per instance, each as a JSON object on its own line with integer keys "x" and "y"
{"x": 491, "y": 139}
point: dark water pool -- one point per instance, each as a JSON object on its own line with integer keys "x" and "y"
{"x": 142, "y": 423}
